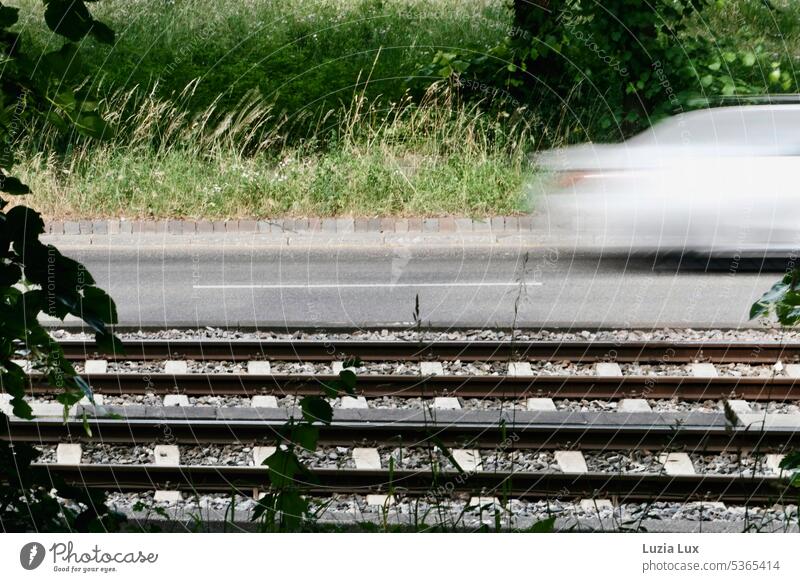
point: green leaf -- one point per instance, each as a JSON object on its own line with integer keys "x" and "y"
{"x": 352, "y": 362}
{"x": 446, "y": 452}
{"x": 348, "y": 380}
{"x": 13, "y": 186}
{"x": 305, "y": 435}
{"x": 283, "y": 466}
{"x": 69, "y": 18}
{"x": 85, "y": 388}
{"x": 20, "y": 408}
{"x": 9, "y": 274}
{"x": 790, "y": 461}
{"x": 93, "y": 125}
{"x": 774, "y": 295}
{"x": 543, "y": 526}
{"x": 108, "y": 343}
{"x": 24, "y": 224}
{"x": 61, "y": 63}
{"x": 98, "y": 304}
{"x": 315, "y": 409}
{"x": 293, "y": 508}
{"x": 8, "y": 16}
{"x": 102, "y": 32}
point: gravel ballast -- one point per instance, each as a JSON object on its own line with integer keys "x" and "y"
{"x": 459, "y": 513}
{"x": 769, "y": 334}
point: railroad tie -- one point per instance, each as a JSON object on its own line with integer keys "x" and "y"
{"x": 596, "y": 505}
{"x": 760, "y": 421}
{"x": 176, "y": 400}
{"x": 96, "y": 367}
{"x": 167, "y": 456}
{"x": 5, "y": 404}
{"x": 468, "y": 459}
{"x": 792, "y": 370}
{"x": 773, "y": 462}
{"x": 607, "y": 369}
{"x": 25, "y": 365}
{"x": 49, "y": 409}
{"x": 338, "y": 367}
{"x": 176, "y": 367}
{"x": 260, "y": 454}
{"x": 43, "y": 409}
{"x": 633, "y": 405}
{"x": 741, "y": 408}
{"x": 380, "y": 500}
{"x": 702, "y": 370}
{"x": 354, "y": 402}
{"x": 541, "y": 404}
{"x": 571, "y": 462}
{"x": 485, "y": 503}
{"x": 676, "y": 464}
{"x": 366, "y": 458}
{"x": 99, "y": 400}
{"x": 520, "y": 369}
{"x": 68, "y": 454}
{"x": 261, "y": 367}
{"x": 446, "y": 403}
{"x": 264, "y": 401}
{"x": 431, "y": 369}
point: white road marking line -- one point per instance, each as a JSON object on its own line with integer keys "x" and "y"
{"x": 365, "y": 285}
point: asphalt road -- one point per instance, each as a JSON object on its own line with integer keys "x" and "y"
{"x": 221, "y": 285}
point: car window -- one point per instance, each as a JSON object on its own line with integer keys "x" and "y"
{"x": 775, "y": 129}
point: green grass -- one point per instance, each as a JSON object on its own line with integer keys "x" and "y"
{"x": 268, "y": 108}
{"x": 299, "y": 54}
{"x": 432, "y": 158}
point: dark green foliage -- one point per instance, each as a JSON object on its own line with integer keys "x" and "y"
{"x": 28, "y": 504}
{"x": 783, "y": 299}
{"x": 36, "y": 278}
{"x": 283, "y": 507}
{"x": 612, "y": 68}
{"x": 306, "y": 58}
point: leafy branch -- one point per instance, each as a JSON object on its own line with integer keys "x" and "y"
{"x": 284, "y": 507}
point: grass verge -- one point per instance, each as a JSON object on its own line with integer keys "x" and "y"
{"x": 437, "y": 157}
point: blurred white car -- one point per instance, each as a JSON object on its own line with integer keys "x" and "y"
{"x": 723, "y": 181}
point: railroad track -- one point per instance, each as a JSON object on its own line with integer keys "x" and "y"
{"x": 776, "y": 388}
{"x": 520, "y": 485}
{"x": 742, "y": 431}
{"x": 467, "y": 351}
{"x": 465, "y": 429}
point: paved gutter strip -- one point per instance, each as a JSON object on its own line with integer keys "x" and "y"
{"x": 290, "y": 232}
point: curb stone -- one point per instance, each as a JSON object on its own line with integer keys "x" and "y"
{"x": 447, "y": 224}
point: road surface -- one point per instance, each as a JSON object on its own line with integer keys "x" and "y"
{"x": 187, "y": 284}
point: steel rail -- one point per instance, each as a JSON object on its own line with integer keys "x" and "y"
{"x": 509, "y": 435}
{"x": 528, "y": 485}
{"x": 478, "y": 350}
{"x": 777, "y": 388}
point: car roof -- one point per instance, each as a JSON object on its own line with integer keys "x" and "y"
{"x": 773, "y": 126}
